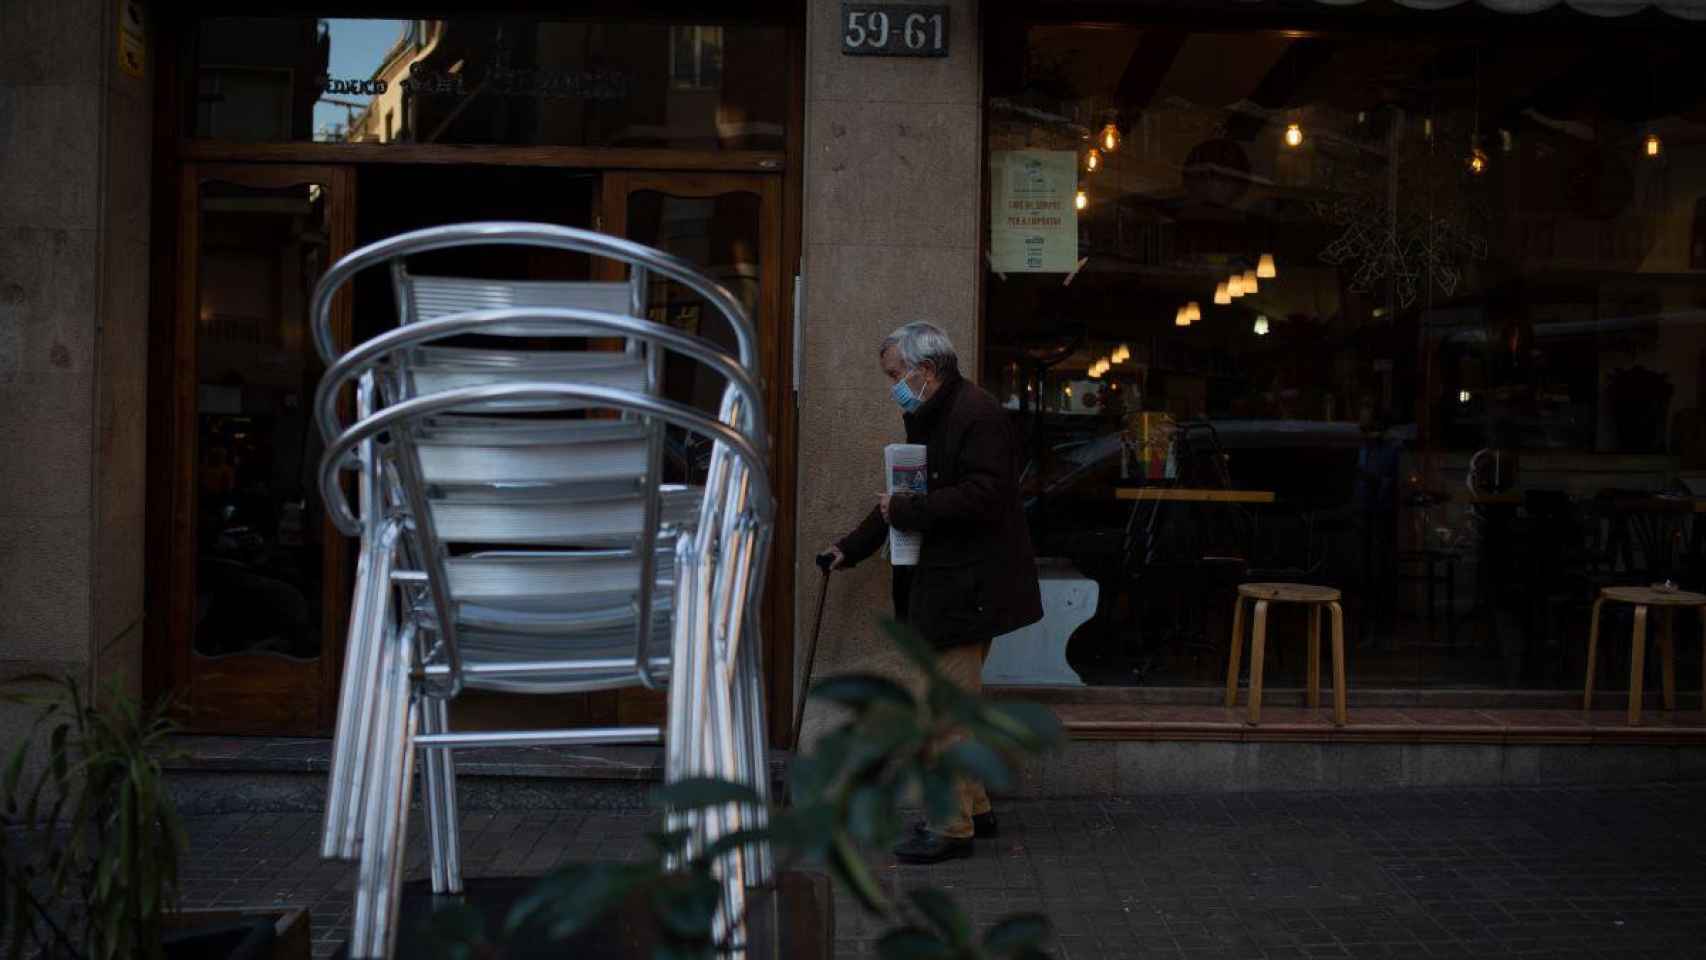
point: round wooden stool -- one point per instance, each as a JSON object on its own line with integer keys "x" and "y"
{"x": 1643, "y": 597}
{"x": 1262, "y": 594}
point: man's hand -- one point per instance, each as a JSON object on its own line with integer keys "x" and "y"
{"x": 883, "y": 507}
{"x": 831, "y": 558}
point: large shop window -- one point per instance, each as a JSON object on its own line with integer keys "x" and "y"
{"x": 488, "y": 81}
{"x": 1430, "y": 302}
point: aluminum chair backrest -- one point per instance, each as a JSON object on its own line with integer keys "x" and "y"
{"x": 734, "y": 517}
{"x": 577, "y": 486}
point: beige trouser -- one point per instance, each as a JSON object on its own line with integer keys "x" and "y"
{"x": 963, "y": 666}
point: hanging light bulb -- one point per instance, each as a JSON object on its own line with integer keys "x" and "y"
{"x": 1110, "y": 138}
{"x": 1193, "y": 313}
{"x": 1122, "y": 353}
{"x": 1095, "y": 371}
{"x": 1654, "y": 145}
{"x": 1477, "y": 161}
{"x": 1182, "y": 318}
{"x": 1261, "y": 326}
{"x": 1222, "y": 295}
{"x": 1092, "y": 160}
{"x": 1235, "y": 285}
{"x": 1293, "y": 135}
{"x": 1250, "y": 284}
{"x": 1082, "y": 200}
{"x": 1428, "y": 128}
{"x": 1265, "y": 267}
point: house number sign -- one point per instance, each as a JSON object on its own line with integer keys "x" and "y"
{"x": 893, "y": 30}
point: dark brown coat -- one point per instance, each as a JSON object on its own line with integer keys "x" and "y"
{"x": 977, "y": 575}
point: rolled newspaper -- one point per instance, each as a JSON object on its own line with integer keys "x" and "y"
{"x": 904, "y": 465}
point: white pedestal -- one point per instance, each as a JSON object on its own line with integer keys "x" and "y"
{"x": 1036, "y": 655}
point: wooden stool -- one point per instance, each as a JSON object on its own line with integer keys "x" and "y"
{"x": 1642, "y": 598}
{"x": 1261, "y": 594}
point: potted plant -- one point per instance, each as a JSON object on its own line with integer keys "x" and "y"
{"x": 90, "y": 857}
{"x": 845, "y": 797}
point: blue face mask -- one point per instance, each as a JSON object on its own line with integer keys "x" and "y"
{"x": 904, "y": 395}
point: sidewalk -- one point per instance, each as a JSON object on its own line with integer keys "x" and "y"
{"x": 1556, "y": 873}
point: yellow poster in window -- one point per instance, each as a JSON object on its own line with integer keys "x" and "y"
{"x": 1033, "y": 222}
{"x": 132, "y": 42}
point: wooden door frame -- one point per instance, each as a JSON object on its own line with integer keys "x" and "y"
{"x": 182, "y": 439}
{"x": 775, "y": 352}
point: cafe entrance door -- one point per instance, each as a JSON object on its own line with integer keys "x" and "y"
{"x": 255, "y": 581}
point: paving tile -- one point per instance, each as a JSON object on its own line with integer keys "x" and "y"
{"x": 1591, "y": 871}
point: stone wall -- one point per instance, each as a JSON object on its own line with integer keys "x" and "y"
{"x": 75, "y": 133}
{"x": 891, "y": 219}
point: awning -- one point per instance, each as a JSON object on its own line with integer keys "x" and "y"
{"x": 1686, "y": 9}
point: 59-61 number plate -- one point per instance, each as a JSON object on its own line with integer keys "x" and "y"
{"x": 893, "y": 30}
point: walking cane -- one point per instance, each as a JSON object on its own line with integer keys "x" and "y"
{"x": 823, "y": 563}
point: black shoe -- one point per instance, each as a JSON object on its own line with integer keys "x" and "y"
{"x": 931, "y": 847}
{"x": 983, "y": 826}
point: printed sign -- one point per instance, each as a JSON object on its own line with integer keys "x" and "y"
{"x": 893, "y": 30}
{"x": 132, "y": 39}
{"x": 1033, "y": 222}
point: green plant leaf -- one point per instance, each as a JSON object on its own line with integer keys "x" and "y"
{"x": 1031, "y": 725}
{"x": 696, "y": 793}
{"x": 977, "y": 761}
{"x": 862, "y": 689}
{"x": 734, "y": 841}
{"x": 913, "y": 645}
{"x": 944, "y": 914}
{"x": 856, "y": 874}
{"x": 682, "y": 951}
{"x": 912, "y": 943}
{"x": 941, "y": 802}
{"x": 1018, "y": 932}
{"x": 685, "y": 904}
{"x": 870, "y": 815}
{"x": 670, "y": 842}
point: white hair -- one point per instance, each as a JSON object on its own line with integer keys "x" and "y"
{"x": 919, "y": 342}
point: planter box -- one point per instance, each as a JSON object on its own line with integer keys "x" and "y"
{"x": 804, "y": 901}
{"x": 291, "y": 933}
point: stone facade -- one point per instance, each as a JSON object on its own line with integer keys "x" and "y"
{"x": 75, "y": 134}
{"x": 890, "y": 235}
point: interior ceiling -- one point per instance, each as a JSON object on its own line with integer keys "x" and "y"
{"x": 1621, "y": 77}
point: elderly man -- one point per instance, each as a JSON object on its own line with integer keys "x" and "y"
{"x": 976, "y": 577}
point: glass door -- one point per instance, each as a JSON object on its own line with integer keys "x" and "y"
{"x": 258, "y": 576}
{"x": 730, "y": 226}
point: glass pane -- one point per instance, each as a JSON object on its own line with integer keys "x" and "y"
{"x": 1435, "y": 293}
{"x": 720, "y": 235}
{"x": 520, "y": 81}
{"x": 259, "y": 569}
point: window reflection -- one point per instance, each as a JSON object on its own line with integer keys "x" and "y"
{"x": 259, "y": 569}
{"x": 491, "y": 81}
{"x": 1435, "y": 292}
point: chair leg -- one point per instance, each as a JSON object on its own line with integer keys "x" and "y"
{"x": 362, "y": 671}
{"x": 1312, "y": 685}
{"x": 378, "y": 882}
{"x": 1258, "y": 643}
{"x": 1593, "y": 652}
{"x": 444, "y": 832}
{"x": 1637, "y": 664}
{"x": 1237, "y": 652}
{"x": 1667, "y": 655}
{"x": 1339, "y": 689}
{"x": 762, "y": 867}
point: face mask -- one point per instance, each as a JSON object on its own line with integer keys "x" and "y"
{"x": 904, "y": 395}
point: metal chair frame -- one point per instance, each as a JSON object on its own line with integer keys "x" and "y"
{"x": 404, "y": 660}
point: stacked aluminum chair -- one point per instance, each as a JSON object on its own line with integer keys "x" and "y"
{"x": 510, "y": 541}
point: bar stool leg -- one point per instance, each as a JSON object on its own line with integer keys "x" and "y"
{"x": 1339, "y": 690}
{"x": 1593, "y": 652}
{"x": 1637, "y": 664}
{"x": 1237, "y": 652}
{"x": 1258, "y": 642}
{"x": 1314, "y": 685}
{"x": 1667, "y": 655}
